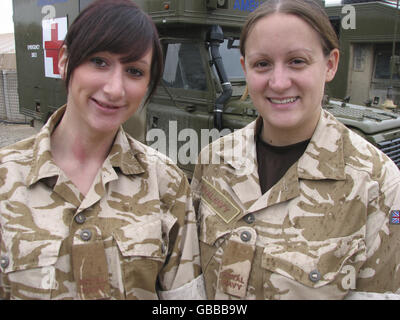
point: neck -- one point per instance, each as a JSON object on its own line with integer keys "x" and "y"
{"x": 78, "y": 144}
{"x": 288, "y": 136}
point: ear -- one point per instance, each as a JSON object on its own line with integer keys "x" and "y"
{"x": 243, "y": 63}
{"x": 332, "y": 65}
{"x": 62, "y": 61}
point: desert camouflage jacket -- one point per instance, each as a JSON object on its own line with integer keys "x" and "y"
{"x": 326, "y": 230}
{"x": 133, "y": 236}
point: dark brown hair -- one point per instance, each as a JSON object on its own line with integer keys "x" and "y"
{"x": 308, "y": 10}
{"x": 116, "y": 26}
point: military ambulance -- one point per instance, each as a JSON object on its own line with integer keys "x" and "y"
{"x": 202, "y": 93}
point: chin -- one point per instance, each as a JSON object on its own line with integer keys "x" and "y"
{"x": 283, "y": 121}
{"x": 105, "y": 127}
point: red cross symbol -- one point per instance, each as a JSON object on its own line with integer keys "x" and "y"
{"x": 52, "y": 47}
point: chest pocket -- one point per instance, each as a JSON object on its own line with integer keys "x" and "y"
{"x": 28, "y": 264}
{"x": 226, "y": 255}
{"x": 141, "y": 240}
{"x": 303, "y": 269}
{"x": 143, "y": 251}
{"x": 212, "y": 230}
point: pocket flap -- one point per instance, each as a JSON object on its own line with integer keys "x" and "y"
{"x": 28, "y": 251}
{"x": 212, "y": 227}
{"x": 312, "y": 266}
{"x": 141, "y": 239}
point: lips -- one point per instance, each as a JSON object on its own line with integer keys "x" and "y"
{"x": 283, "y": 100}
{"x": 106, "y": 105}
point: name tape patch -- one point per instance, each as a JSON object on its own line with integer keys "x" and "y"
{"x": 220, "y": 204}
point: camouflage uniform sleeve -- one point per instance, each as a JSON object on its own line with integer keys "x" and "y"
{"x": 379, "y": 278}
{"x": 3, "y": 294}
{"x": 181, "y": 277}
{"x": 4, "y": 291}
{"x": 195, "y": 186}
{"x": 4, "y": 288}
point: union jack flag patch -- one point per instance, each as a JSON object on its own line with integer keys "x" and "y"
{"x": 395, "y": 217}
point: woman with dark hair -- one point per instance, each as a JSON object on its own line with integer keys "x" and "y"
{"x": 296, "y": 205}
{"x": 86, "y": 211}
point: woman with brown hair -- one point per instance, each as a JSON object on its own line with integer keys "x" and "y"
{"x": 86, "y": 211}
{"x": 295, "y": 205}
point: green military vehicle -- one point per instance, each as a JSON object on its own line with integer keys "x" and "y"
{"x": 370, "y": 52}
{"x": 202, "y": 92}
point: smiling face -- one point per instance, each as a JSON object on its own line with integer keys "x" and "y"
{"x": 104, "y": 91}
{"x": 286, "y": 71}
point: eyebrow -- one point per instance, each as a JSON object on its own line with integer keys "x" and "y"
{"x": 301, "y": 49}
{"x": 124, "y": 60}
{"x": 140, "y": 61}
{"x": 263, "y": 54}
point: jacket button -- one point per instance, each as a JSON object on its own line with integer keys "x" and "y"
{"x": 4, "y": 262}
{"x": 245, "y": 236}
{"x": 80, "y": 218}
{"x": 249, "y": 218}
{"x": 314, "y": 276}
{"x": 86, "y": 235}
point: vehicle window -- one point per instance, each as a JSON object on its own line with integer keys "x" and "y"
{"x": 231, "y": 60}
{"x": 359, "y": 57}
{"x": 83, "y": 4}
{"x": 184, "y": 67}
{"x": 383, "y": 52}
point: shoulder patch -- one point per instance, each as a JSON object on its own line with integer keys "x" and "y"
{"x": 219, "y": 203}
{"x": 395, "y": 217}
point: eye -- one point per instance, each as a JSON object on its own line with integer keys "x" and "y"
{"x": 261, "y": 64}
{"x": 98, "y": 62}
{"x": 135, "y": 72}
{"x": 297, "y": 62}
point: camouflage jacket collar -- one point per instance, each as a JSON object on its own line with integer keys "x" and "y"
{"x": 323, "y": 158}
{"x": 324, "y": 155}
{"x": 123, "y": 154}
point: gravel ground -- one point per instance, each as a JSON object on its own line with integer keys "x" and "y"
{"x": 11, "y": 133}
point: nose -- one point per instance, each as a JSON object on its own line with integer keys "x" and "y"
{"x": 114, "y": 87}
{"x": 280, "y": 79}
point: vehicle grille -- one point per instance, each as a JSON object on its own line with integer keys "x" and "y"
{"x": 392, "y": 149}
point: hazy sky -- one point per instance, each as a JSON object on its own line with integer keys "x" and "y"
{"x": 6, "y": 22}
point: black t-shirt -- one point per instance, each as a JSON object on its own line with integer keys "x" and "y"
{"x": 273, "y": 161}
